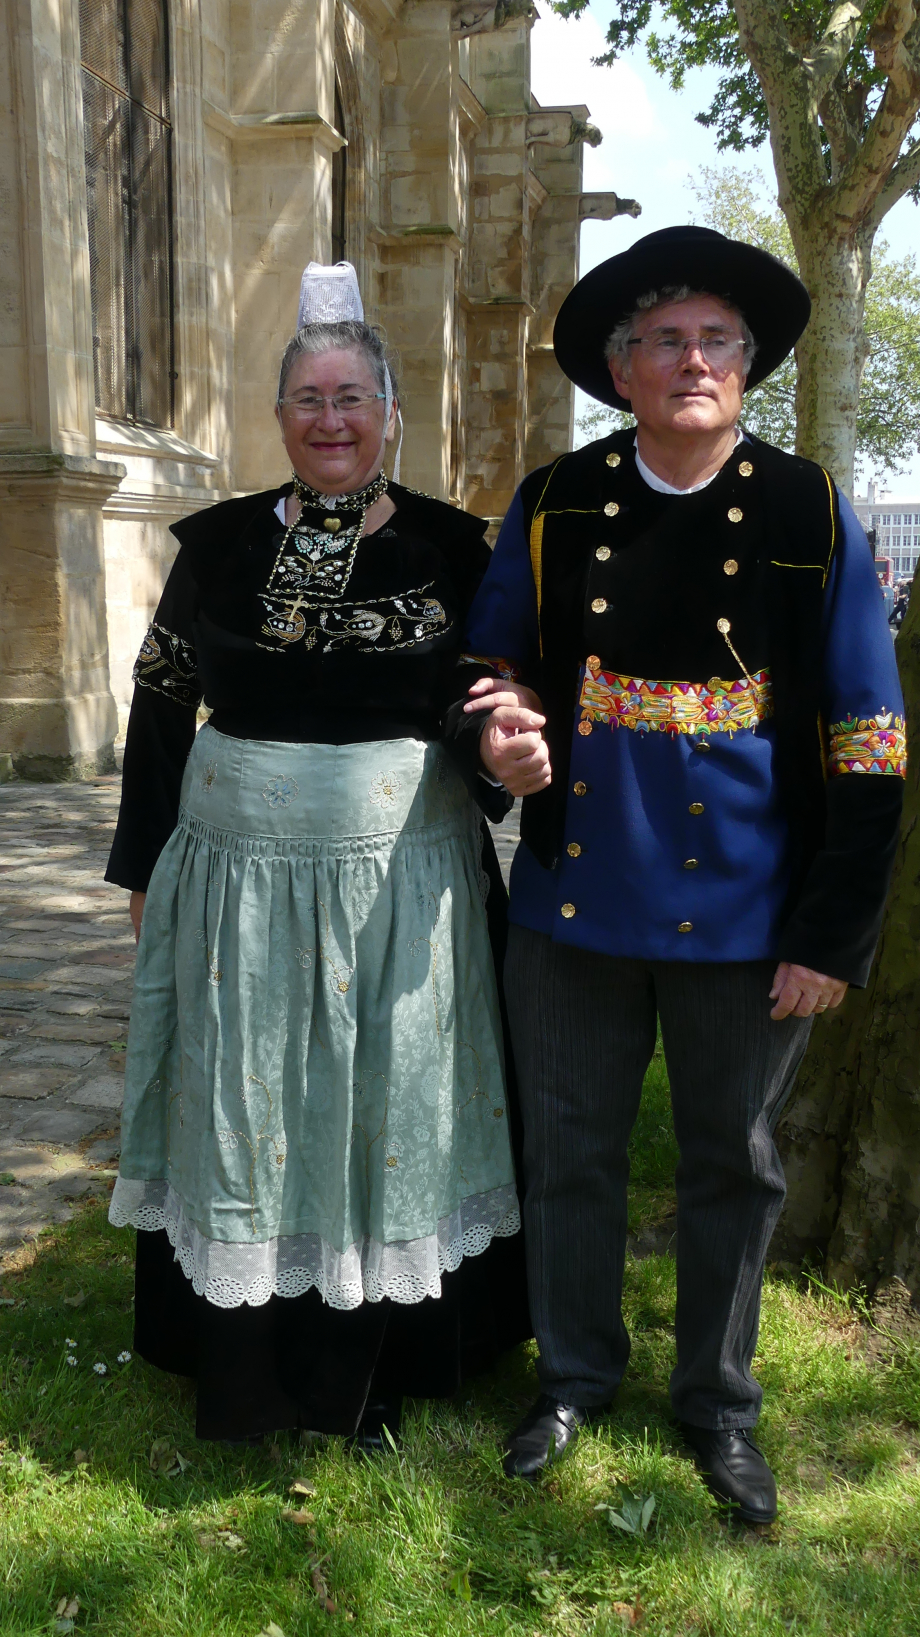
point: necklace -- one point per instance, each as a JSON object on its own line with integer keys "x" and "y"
{"x": 325, "y": 547}
{"x": 357, "y": 500}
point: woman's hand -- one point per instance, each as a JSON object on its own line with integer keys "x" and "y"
{"x": 800, "y": 992}
{"x": 136, "y": 911}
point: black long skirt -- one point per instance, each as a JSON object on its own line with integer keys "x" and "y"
{"x": 294, "y": 1362}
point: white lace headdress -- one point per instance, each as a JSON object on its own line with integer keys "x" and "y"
{"x": 330, "y": 295}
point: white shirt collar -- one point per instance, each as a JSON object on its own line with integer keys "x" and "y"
{"x": 655, "y": 482}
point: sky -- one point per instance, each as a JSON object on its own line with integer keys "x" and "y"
{"x": 653, "y": 147}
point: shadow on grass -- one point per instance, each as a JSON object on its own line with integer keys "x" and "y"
{"x": 434, "y": 1540}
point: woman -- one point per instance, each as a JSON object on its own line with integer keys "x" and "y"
{"x": 315, "y": 1142}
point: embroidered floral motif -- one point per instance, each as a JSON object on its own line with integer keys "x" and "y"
{"x": 208, "y": 776}
{"x": 280, "y": 791}
{"x": 875, "y": 744}
{"x": 505, "y": 668}
{"x": 384, "y": 790}
{"x": 168, "y": 664}
{"x": 675, "y": 707}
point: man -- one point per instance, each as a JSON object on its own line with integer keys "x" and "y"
{"x": 698, "y": 617}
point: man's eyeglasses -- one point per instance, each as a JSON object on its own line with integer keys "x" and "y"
{"x": 719, "y": 351}
{"x": 309, "y": 406}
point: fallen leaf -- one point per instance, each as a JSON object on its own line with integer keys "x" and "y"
{"x": 165, "y": 1459}
{"x": 205, "y": 1539}
{"x": 81, "y": 1457}
{"x": 292, "y": 1516}
{"x": 68, "y": 1607}
{"x": 459, "y": 1585}
{"x": 233, "y": 1543}
{"x": 271, "y": 1630}
{"x": 64, "y": 1626}
{"x": 321, "y": 1589}
{"x": 627, "y": 1613}
{"x": 300, "y": 1486}
{"x": 75, "y": 1301}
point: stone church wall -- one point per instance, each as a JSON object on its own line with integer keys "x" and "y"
{"x": 462, "y": 203}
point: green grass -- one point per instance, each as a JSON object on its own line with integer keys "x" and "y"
{"x": 433, "y": 1539}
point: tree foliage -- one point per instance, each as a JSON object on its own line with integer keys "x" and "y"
{"x": 704, "y": 33}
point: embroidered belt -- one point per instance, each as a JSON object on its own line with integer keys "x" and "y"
{"x": 875, "y": 744}
{"x": 673, "y": 707}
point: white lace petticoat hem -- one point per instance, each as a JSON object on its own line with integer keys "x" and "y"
{"x": 229, "y": 1275}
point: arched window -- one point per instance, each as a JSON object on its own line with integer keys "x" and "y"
{"x": 339, "y": 165}
{"x": 127, "y": 137}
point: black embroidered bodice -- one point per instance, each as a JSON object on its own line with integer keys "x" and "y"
{"x": 311, "y": 635}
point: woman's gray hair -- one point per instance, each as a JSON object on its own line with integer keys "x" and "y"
{"x": 314, "y": 339}
{"x": 617, "y": 344}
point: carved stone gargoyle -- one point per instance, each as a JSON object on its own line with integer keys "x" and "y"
{"x": 602, "y": 207}
{"x": 559, "y": 128}
{"x": 482, "y": 16}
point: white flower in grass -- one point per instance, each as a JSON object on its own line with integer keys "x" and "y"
{"x": 100, "y": 1369}
{"x": 70, "y": 1360}
{"x": 124, "y": 1358}
{"x": 69, "y": 1341}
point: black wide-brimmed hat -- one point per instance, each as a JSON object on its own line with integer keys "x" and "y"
{"x": 774, "y": 301}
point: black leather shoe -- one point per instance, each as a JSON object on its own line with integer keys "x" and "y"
{"x": 386, "y": 1412}
{"x": 734, "y": 1469}
{"x": 544, "y": 1435}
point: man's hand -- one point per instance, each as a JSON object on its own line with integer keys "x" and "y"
{"x": 514, "y": 751}
{"x": 136, "y": 912}
{"x": 512, "y": 748}
{"x": 798, "y": 991}
{"x": 490, "y": 691}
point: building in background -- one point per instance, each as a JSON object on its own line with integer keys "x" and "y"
{"x": 169, "y": 168}
{"x": 896, "y": 522}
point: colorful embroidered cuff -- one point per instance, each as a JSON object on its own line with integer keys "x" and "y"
{"x": 505, "y": 668}
{"x": 673, "y": 707}
{"x": 874, "y": 744}
{"x": 168, "y": 665}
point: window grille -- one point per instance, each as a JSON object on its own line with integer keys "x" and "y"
{"x": 127, "y": 141}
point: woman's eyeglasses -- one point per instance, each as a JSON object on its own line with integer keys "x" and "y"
{"x": 308, "y": 406}
{"x": 719, "y": 351}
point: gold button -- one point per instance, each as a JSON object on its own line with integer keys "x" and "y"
{"x": 745, "y": 469}
{"x": 585, "y": 728}
{"x": 715, "y": 684}
{"x": 697, "y": 807}
{"x": 598, "y": 605}
{"x": 602, "y": 553}
{"x": 690, "y": 863}
{"x": 497, "y": 1113}
{"x": 391, "y": 1160}
{"x": 593, "y": 663}
{"x": 685, "y": 926}
{"x": 573, "y": 849}
{"x": 568, "y": 910}
{"x": 332, "y": 524}
{"x": 580, "y": 788}
{"x": 735, "y": 514}
{"x": 611, "y": 509}
{"x": 613, "y": 459}
{"x": 730, "y": 566}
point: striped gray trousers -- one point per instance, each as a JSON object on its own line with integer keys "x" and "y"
{"x": 583, "y": 1032}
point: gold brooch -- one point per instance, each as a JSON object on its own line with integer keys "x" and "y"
{"x": 611, "y": 509}
{"x": 332, "y": 524}
{"x": 745, "y": 469}
{"x": 735, "y": 514}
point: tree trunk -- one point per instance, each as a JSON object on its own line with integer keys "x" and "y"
{"x": 831, "y": 354}
{"x": 850, "y": 1139}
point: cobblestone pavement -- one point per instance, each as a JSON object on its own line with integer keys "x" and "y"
{"x": 66, "y": 975}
